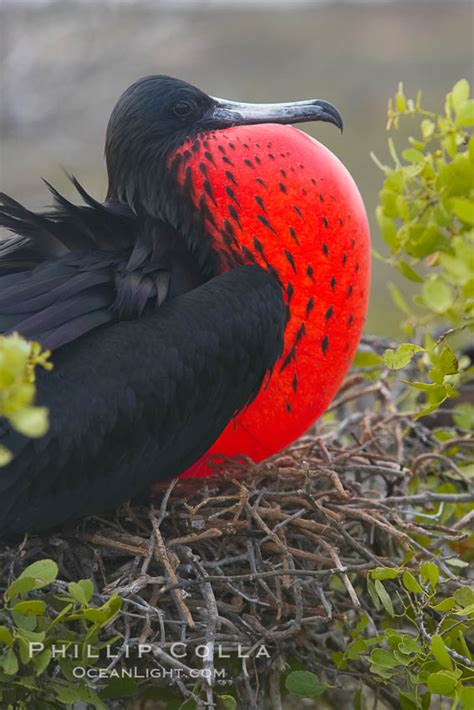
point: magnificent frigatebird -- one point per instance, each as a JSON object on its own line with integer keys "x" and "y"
{"x": 229, "y": 263}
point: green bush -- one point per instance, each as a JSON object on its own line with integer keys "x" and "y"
{"x": 36, "y": 611}
{"x": 18, "y": 360}
{"x": 422, "y": 651}
{"x": 426, "y": 210}
{"x": 426, "y": 219}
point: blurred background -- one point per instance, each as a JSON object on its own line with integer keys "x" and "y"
{"x": 64, "y": 63}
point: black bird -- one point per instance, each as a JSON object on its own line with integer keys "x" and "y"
{"x": 155, "y": 349}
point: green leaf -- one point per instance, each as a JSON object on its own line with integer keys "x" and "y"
{"x": 400, "y": 100}
{"x": 463, "y": 209}
{"x": 422, "y": 241}
{"x": 467, "y": 698}
{"x": 5, "y": 456}
{"x": 23, "y": 651}
{"x": 24, "y": 622}
{"x": 360, "y": 626}
{"x": 30, "y": 607}
{"x": 96, "y": 616}
{"x": 430, "y": 573}
{"x": 41, "y": 661}
{"x": 112, "y": 606}
{"x": 10, "y": 662}
{"x": 449, "y": 144}
{"x": 358, "y": 699}
{"x": 366, "y": 359}
{"x": 385, "y": 673}
{"x": 30, "y": 421}
{"x": 373, "y": 593}
{"x": 305, "y": 684}
{"x": 442, "y": 682}
{"x": 81, "y": 591}
{"x": 43, "y": 572}
{"x": 104, "y": 613}
{"x": 409, "y": 701}
{"x": 437, "y": 295}
{"x": 439, "y": 651}
{"x": 471, "y": 149}
{"x": 401, "y": 357}
{"x": 5, "y": 636}
{"x": 393, "y": 152}
{"x": 227, "y": 701}
{"x": 437, "y": 376}
{"x": 87, "y": 586}
{"x": 410, "y": 583}
{"x": 464, "y": 596}
{"x": 431, "y": 387}
{"x": 445, "y": 605}
{"x": 67, "y": 694}
{"x": 408, "y": 272}
{"x": 388, "y": 200}
{"x": 32, "y": 635}
{"x": 456, "y": 562}
{"x": 460, "y": 93}
{"x": 384, "y": 573}
{"x": 465, "y": 115}
{"x": 384, "y": 597}
{"x": 356, "y": 648}
{"x": 468, "y": 289}
{"x": 427, "y": 128}
{"x": 409, "y": 645}
{"x": 381, "y": 657}
{"x": 403, "y": 208}
{"x": 20, "y": 586}
{"x": 412, "y": 155}
{"x": 388, "y": 229}
{"x": 398, "y": 299}
{"x": 446, "y": 361}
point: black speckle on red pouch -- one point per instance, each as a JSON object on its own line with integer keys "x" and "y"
{"x": 267, "y": 224}
{"x": 309, "y": 306}
{"x": 290, "y": 259}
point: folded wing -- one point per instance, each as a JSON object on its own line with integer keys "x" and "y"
{"x": 141, "y": 400}
{"x": 67, "y": 271}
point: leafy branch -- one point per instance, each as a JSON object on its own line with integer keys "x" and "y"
{"x": 426, "y": 219}
{"x": 18, "y": 360}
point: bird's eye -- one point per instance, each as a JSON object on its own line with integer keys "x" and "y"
{"x": 184, "y": 108}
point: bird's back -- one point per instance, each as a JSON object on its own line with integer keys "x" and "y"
{"x": 75, "y": 268}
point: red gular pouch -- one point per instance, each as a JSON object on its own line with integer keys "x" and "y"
{"x": 272, "y": 195}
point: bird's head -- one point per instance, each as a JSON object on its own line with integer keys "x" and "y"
{"x": 158, "y": 113}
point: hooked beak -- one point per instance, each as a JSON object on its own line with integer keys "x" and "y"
{"x": 224, "y": 114}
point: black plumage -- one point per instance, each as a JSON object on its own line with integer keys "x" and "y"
{"x": 88, "y": 265}
{"x": 141, "y": 400}
{"x": 154, "y": 352}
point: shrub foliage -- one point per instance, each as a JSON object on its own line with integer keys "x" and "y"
{"x": 18, "y": 360}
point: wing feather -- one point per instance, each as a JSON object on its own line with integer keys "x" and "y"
{"x": 142, "y": 400}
